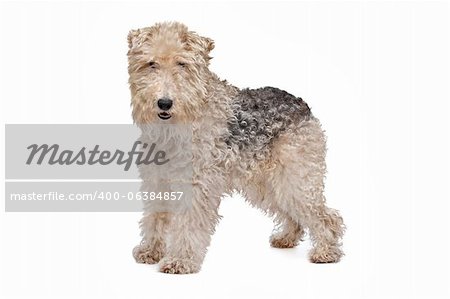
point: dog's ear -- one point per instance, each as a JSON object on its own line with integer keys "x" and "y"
{"x": 202, "y": 45}
{"x": 208, "y": 44}
{"x": 133, "y": 38}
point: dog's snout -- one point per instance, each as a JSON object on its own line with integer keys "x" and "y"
{"x": 165, "y": 104}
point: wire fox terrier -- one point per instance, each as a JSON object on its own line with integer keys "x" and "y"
{"x": 263, "y": 142}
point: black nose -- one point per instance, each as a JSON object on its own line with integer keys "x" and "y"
{"x": 165, "y": 104}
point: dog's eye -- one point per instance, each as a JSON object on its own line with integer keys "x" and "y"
{"x": 152, "y": 64}
{"x": 182, "y": 64}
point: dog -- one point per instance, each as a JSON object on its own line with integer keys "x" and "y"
{"x": 264, "y": 142}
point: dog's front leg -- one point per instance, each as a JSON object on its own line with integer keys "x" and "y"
{"x": 153, "y": 230}
{"x": 190, "y": 235}
{"x": 154, "y": 224}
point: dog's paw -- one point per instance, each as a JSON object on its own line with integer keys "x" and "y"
{"x": 325, "y": 255}
{"x": 283, "y": 241}
{"x": 178, "y": 266}
{"x": 145, "y": 255}
{"x": 279, "y": 242}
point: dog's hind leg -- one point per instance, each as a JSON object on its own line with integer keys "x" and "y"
{"x": 288, "y": 233}
{"x": 297, "y": 185}
{"x": 326, "y": 230}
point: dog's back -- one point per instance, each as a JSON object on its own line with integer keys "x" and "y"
{"x": 261, "y": 115}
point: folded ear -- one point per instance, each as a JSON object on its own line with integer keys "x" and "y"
{"x": 133, "y": 38}
{"x": 208, "y": 44}
{"x": 203, "y": 45}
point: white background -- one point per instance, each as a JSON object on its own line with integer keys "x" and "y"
{"x": 375, "y": 73}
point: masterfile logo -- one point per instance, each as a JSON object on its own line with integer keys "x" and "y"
{"x": 54, "y": 155}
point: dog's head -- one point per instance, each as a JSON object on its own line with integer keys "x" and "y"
{"x": 168, "y": 69}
